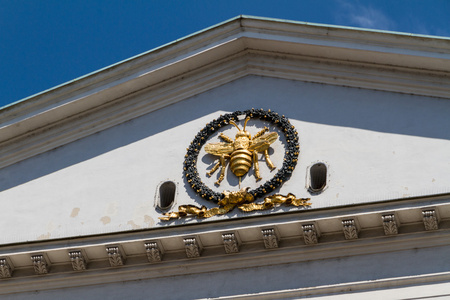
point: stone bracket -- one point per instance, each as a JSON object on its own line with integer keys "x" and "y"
{"x": 350, "y": 229}
{"x": 192, "y": 247}
{"x": 430, "y": 219}
{"x": 78, "y": 260}
{"x": 6, "y": 268}
{"x": 390, "y": 224}
{"x": 310, "y": 234}
{"x": 154, "y": 251}
{"x": 41, "y": 264}
{"x": 116, "y": 256}
{"x": 270, "y": 237}
{"x": 231, "y": 242}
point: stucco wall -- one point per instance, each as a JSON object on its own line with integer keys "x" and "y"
{"x": 377, "y": 145}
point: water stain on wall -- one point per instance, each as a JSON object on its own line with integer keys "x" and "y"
{"x": 105, "y": 220}
{"x": 149, "y": 220}
{"x": 75, "y": 212}
{"x": 44, "y": 236}
{"x": 133, "y": 225}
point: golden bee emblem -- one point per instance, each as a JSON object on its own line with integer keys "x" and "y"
{"x": 241, "y": 152}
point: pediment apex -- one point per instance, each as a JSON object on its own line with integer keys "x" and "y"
{"x": 233, "y": 49}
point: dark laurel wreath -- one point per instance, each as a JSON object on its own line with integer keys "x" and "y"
{"x": 290, "y": 157}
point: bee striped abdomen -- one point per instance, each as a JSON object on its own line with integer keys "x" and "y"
{"x": 241, "y": 162}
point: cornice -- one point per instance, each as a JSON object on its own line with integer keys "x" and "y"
{"x": 234, "y": 244}
{"x": 245, "y": 63}
{"x": 123, "y": 71}
{"x": 243, "y": 46}
{"x": 351, "y": 37}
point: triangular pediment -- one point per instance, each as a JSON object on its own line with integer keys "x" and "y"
{"x": 251, "y": 147}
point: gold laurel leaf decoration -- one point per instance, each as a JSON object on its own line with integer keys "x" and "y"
{"x": 233, "y": 199}
{"x": 169, "y": 216}
{"x": 219, "y": 210}
{"x": 199, "y": 212}
{"x": 251, "y": 207}
{"x": 301, "y": 202}
{"x": 276, "y": 200}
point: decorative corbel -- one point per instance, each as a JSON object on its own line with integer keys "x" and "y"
{"x": 430, "y": 219}
{"x": 230, "y": 243}
{"x": 5, "y": 268}
{"x": 350, "y": 229}
{"x": 310, "y": 234}
{"x": 115, "y": 256}
{"x": 154, "y": 253}
{"x": 40, "y": 264}
{"x": 78, "y": 260}
{"x": 270, "y": 238}
{"x": 192, "y": 247}
{"x": 390, "y": 224}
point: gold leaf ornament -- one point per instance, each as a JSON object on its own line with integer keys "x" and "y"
{"x": 242, "y": 199}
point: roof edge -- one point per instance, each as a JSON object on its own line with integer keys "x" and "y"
{"x": 197, "y": 33}
{"x": 166, "y": 45}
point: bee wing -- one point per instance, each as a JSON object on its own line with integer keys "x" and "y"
{"x": 263, "y": 142}
{"x": 219, "y": 148}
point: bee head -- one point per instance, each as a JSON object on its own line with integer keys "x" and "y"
{"x": 243, "y": 132}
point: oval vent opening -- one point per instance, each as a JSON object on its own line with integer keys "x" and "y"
{"x": 167, "y": 194}
{"x": 318, "y": 177}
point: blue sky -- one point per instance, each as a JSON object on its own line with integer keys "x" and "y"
{"x": 48, "y": 42}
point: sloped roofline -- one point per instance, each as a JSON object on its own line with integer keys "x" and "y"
{"x": 93, "y": 73}
{"x": 387, "y": 61}
{"x": 239, "y": 17}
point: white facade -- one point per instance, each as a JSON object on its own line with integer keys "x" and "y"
{"x": 81, "y": 167}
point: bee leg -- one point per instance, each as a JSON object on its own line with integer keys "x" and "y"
{"x": 260, "y": 133}
{"x": 222, "y": 170}
{"x": 256, "y": 166}
{"x": 213, "y": 169}
{"x": 268, "y": 161}
{"x": 225, "y": 138}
